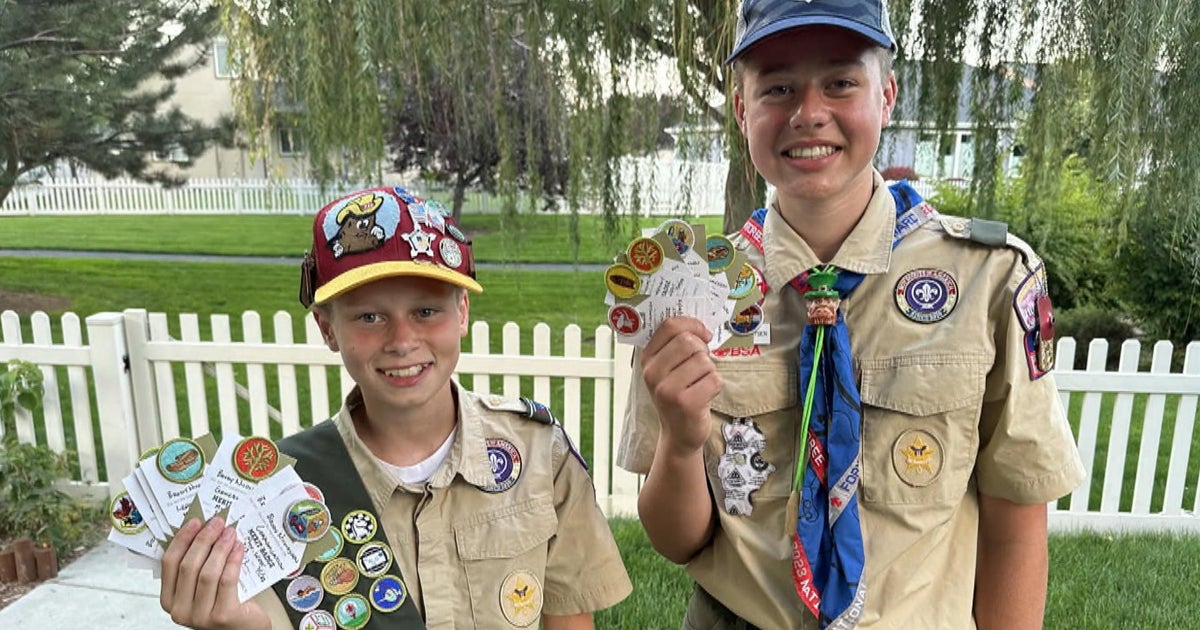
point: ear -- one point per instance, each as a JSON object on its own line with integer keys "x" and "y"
{"x": 889, "y": 97}
{"x": 739, "y": 111}
{"x": 464, "y": 314}
{"x": 326, "y": 327}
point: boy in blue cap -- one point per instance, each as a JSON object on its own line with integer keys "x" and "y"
{"x": 883, "y": 455}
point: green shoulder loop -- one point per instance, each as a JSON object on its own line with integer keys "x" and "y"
{"x": 990, "y": 233}
{"x": 524, "y": 407}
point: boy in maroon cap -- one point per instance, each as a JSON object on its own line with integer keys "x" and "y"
{"x": 454, "y": 510}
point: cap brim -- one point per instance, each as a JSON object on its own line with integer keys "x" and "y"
{"x": 875, "y": 35}
{"x": 369, "y": 273}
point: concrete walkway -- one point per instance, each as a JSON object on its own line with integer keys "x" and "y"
{"x": 98, "y": 591}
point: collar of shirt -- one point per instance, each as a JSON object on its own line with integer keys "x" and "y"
{"x": 867, "y": 250}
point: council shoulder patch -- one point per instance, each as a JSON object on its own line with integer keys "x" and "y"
{"x": 926, "y": 295}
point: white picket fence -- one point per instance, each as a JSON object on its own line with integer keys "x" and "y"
{"x": 141, "y": 378}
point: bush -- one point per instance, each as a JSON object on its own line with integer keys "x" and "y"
{"x": 897, "y": 173}
{"x": 31, "y": 506}
{"x": 1086, "y": 323}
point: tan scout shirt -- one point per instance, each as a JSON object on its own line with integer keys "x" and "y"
{"x": 464, "y": 553}
{"x": 961, "y": 385}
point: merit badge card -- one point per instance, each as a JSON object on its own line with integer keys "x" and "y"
{"x": 676, "y": 270}
{"x": 281, "y": 521}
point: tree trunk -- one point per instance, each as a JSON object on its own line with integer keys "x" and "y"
{"x": 4, "y": 192}
{"x": 460, "y": 192}
{"x": 743, "y": 189}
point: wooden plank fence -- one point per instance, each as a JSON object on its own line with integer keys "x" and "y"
{"x": 119, "y": 383}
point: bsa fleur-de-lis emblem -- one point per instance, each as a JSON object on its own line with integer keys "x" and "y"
{"x": 927, "y": 292}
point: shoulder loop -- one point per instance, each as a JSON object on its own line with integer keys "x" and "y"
{"x": 991, "y": 233}
{"x": 524, "y": 407}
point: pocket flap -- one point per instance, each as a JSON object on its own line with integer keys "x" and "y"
{"x": 753, "y": 389}
{"x": 922, "y": 387}
{"x": 508, "y": 532}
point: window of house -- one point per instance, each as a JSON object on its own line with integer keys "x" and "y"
{"x": 172, "y": 154}
{"x": 289, "y": 141}
{"x": 223, "y": 65}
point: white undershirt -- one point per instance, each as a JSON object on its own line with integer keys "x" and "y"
{"x": 421, "y": 471}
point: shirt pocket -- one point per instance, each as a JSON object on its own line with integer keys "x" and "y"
{"x": 920, "y": 427}
{"x": 507, "y": 550}
{"x": 763, "y": 393}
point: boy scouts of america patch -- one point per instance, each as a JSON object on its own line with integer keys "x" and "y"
{"x": 917, "y": 457}
{"x": 506, "y": 465}
{"x": 521, "y": 598}
{"x": 926, "y": 295}
{"x": 742, "y": 469}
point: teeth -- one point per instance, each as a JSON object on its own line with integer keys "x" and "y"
{"x": 811, "y": 152}
{"x": 408, "y": 371}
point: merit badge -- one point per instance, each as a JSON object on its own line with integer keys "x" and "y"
{"x": 420, "y": 242}
{"x": 450, "y": 251}
{"x": 506, "y": 464}
{"x": 255, "y": 458}
{"x": 333, "y": 551}
{"x": 314, "y": 492}
{"x": 746, "y": 279}
{"x": 339, "y": 576}
{"x": 624, "y": 319}
{"x": 926, "y": 295}
{"x": 359, "y": 526}
{"x": 388, "y": 594}
{"x": 747, "y": 321}
{"x": 680, "y": 233}
{"x": 917, "y": 457}
{"x": 742, "y": 469}
{"x": 180, "y": 460}
{"x": 720, "y": 253}
{"x": 645, "y": 254}
{"x": 622, "y": 281}
{"x": 456, "y": 233}
{"x": 124, "y": 515}
{"x": 318, "y": 620}
{"x": 352, "y": 612}
{"x": 306, "y": 520}
{"x": 521, "y": 598}
{"x": 374, "y": 559}
{"x": 305, "y": 593}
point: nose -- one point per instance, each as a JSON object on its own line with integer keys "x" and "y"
{"x": 402, "y": 336}
{"x": 811, "y": 110}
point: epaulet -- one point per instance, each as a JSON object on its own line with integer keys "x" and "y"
{"x": 524, "y": 407}
{"x": 990, "y": 233}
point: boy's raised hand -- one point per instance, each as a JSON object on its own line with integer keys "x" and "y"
{"x": 682, "y": 380}
{"x": 199, "y": 580}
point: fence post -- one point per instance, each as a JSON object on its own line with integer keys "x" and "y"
{"x": 137, "y": 335}
{"x": 114, "y": 396}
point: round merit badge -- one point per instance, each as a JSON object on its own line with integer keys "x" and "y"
{"x": 506, "y": 464}
{"x": 124, "y": 515}
{"x": 359, "y": 526}
{"x": 747, "y": 321}
{"x": 340, "y": 576}
{"x": 451, "y": 252}
{"x": 926, "y": 295}
{"x": 314, "y": 492}
{"x": 622, "y": 280}
{"x": 374, "y": 559}
{"x": 681, "y": 234}
{"x": 255, "y": 458}
{"x": 521, "y": 598}
{"x": 180, "y": 460}
{"x": 318, "y": 620}
{"x": 624, "y": 319}
{"x": 352, "y": 612}
{"x": 388, "y": 594}
{"x": 305, "y": 593}
{"x": 306, "y": 520}
{"x": 645, "y": 254}
{"x": 746, "y": 279}
{"x": 720, "y": 253}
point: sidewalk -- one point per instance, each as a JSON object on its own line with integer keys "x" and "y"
{"x": 98, "y": 591}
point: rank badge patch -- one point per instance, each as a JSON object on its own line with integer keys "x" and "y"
{"x": 917, "y": 457}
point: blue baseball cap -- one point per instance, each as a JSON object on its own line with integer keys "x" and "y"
{"x": 758, "y": 19}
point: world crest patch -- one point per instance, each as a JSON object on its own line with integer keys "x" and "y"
{"x": 926, "y": 295}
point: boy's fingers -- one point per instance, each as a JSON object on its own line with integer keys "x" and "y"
{"x": 190, "y": 567}
{"x": 171, "y": 559}
{"x": 208, "y": 583}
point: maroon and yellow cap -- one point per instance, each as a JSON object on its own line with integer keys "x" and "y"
{"x": 379, "y": 233}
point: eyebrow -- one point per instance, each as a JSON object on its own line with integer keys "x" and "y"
{"x": 828, "y": 64}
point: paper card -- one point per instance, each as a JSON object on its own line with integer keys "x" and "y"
{"x": 129, "y": 528}
{"x": 136, "y": 484}
{"x": 236, "y": 467}
{"x": 175, "y": 474}
{"x": 267, "y": 490}
{"x": 271, "y": 554}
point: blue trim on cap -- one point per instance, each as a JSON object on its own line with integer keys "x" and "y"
{"x": 875, "y": 35}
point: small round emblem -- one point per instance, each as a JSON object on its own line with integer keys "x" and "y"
{"x": 305, "y": 593}
{"x": 374, "y": 559}
{"x": 622, "y": 280}
{"x": 180, "y": 460}
{"x": 451, "y": 252}
{"x": 746, "y": 279}
{"x": 506, "y": 464}
{"x": 314, "y": 492}
{"x": 624, "y": 319}
{"x": 318, "y": 620}
{"x": 747, "y": 321}
{"x": 720, "y": 253}
{"x": 306, "y": 520}
{"x": 388, "y": 594}
{"x": 339, "y": 576}
{"x": 645, "y": 254}
{"x": 359, "y": 526}
{"x": 255, "y": 458}
{"x": 926, "y": 295}
{"x": 335, "y": 550}
{"x": 352, "y": 612}
{"x": 917, "y": 457}
{"x": 521, "y": 598}
{"x": 456, "y": 233}
{"x": 124, "y": 515}
{"x": 681, "y": 234}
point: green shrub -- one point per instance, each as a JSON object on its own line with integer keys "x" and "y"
{"x": 1086, "y": 323}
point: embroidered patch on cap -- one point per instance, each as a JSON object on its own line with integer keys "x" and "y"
{"x": 926, "y": 295}
{"x": 506, "y": 464}
{"x": 917, "y": 457}
{"x": 521, "y": 598}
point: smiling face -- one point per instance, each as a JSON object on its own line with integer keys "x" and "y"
{"x": 812, "y": 102}
{"x": 399, "y": 339}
